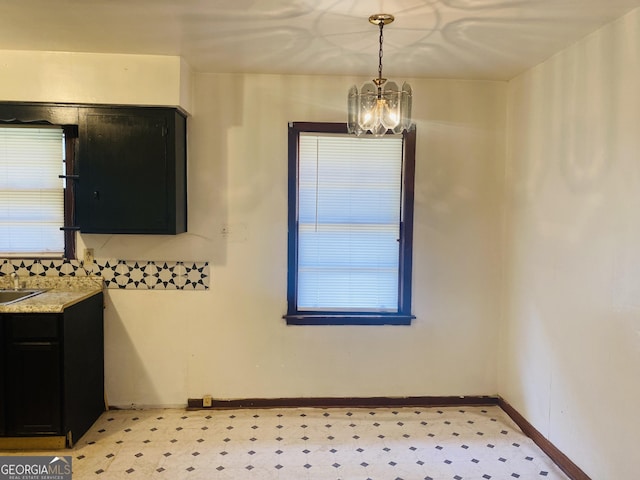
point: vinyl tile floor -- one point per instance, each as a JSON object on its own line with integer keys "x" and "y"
{"x": 407, "y": 443}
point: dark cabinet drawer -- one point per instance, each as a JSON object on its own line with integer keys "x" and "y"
{"x": 33, "y": 327}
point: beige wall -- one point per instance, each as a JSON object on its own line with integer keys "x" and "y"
{"x": 163, "y": 347}
{"x": 231, "y": 341}
{"x": 571, "y": 343}
{"x": 93, "y": 78}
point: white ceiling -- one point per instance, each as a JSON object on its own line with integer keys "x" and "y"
{"x": 477, "y": 39}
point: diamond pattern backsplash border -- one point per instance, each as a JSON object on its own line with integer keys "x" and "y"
{"x": 121, "y": 274}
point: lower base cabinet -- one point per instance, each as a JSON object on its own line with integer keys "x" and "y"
{"x": 52, "y": 371}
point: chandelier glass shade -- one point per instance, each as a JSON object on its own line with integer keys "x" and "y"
{"x": 380, "y": 106}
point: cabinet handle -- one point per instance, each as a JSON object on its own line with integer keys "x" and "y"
{"x": 96, "y": 195}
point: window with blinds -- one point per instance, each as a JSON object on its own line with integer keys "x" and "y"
{"x": 348, "y": 249}
{"x": 348, "y": 222}
{"x": 31, "y": 192}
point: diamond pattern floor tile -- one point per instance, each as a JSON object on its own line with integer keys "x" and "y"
{"x": 466, "y": 443}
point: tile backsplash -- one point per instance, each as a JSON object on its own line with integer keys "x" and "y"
{"x": 123, "y": 274}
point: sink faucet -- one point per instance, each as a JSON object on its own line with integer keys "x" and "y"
{"x": 16, "y": 281}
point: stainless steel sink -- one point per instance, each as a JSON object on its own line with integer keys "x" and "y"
{"x": 12, "y": 296}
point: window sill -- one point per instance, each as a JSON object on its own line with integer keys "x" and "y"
{"x": 348, "y": 319}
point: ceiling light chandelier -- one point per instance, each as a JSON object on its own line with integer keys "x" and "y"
{"x": 380, "y": 105}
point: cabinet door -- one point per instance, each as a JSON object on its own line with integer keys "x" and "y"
{"x": 127, "y": 167}
{"x": 2, "y": 376}
{"x": 33, "y": 393}
{"x": 83, "y": 365}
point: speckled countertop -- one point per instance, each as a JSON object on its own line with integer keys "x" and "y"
{"x": 62, "y": 292}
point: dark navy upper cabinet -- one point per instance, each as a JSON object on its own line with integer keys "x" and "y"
{"x": 132, "y": 167}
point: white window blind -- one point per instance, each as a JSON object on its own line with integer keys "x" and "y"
{"x": 31, "y": 194}
{"x": 349, "y": 202}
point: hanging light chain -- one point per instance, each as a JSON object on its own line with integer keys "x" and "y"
{"x": 380, "y": 19}
{"x": 380, "y": 52}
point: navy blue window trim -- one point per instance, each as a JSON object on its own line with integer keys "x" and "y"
{"x": 403, "y": 316}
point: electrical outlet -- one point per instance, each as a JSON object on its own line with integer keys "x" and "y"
{"x": 88, "y": 256}
{"x": 207, "y": 401}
